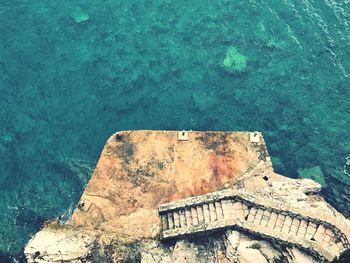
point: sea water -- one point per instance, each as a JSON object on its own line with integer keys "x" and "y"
{"x": 74, "y": 72}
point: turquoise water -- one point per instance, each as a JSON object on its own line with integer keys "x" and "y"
{"x": 74, "y": 72}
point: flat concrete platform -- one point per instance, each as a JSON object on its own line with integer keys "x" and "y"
{"x": 138, "y": 170}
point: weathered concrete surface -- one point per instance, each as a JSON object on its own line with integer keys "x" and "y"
{"x": 138, "y": 170}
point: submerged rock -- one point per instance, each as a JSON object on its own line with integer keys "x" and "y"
{"x": 204, "y": 101}
{"x": 261, "y": 34}
{"x": 80, "y": 16}
{"x": 314, "y": 173}
{"x": 234, "y": 61}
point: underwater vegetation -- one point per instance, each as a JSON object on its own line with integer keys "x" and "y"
{"x": 73, "y": 73}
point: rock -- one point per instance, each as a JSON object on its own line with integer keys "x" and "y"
{"x": 266, "y": 39}
{"x": 232, "y": 242}
{"x": 57, "y": 244}
{"x": 184, "y": 252}
{"x": 234, "y": 61}
{"x": 153, "y": 252}
{"x": 270, "y": 253}
{"x": 147, "y": 258}
{"x": 238, "y": 245}
{"x": 314, "y": 173}
{"x": 80, "y": 16}
{"x": 299, "y": 256}
{"x": 7, "y": 139}
{"x": 233, "y": 238}
{"x": 250, "y": 255}
{"x": 118, "y": 217}
{"x": 204, "y": 101}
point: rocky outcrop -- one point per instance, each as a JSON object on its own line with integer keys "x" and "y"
{"x": 60, "y": 244}
{"x": 228, "y": 246}
{"x": 158, "y": 196}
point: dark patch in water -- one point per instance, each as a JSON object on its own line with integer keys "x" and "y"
{"x": 29, "y": 218}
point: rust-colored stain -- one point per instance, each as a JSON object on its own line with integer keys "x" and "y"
{"x": 138, "y": 170}
{"x": 203, "y": 187}
{"x": 223, "y": 169}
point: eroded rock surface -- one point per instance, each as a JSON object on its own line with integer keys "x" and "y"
{"x": 117, "y": 218}
{"x": 55, "y": 244}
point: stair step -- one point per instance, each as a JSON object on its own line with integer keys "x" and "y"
{"x": 279, "y": 222}
{"x": 219, "y": 212}
{"x": 287, "y": 224}
{"x": 176, "y": 219}
{"x": 251, "y": 215}
{"x": 212, "y": 212}
{"x": 294, "y": 228}
{"x": 265, "y": 218}
{"x": 170, "y": 220}
{"x": 165, "y": 225}
{"x": 302, "y": 229}
{"x": 188, "y": 216}
{"x": 182, "y": 218}
{"x": 272, "y": 221}
{"x": 226, "y": 208}
{"x": 200, "y": 214}
{"x": 194, "y": 216}
{"x": 258, "y": 216}
{"x": 206, "y": 213}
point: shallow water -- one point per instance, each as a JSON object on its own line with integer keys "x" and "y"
{"x": 71, "y": 74}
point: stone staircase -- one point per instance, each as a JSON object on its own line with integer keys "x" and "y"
{"x": 223, "y": 210}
